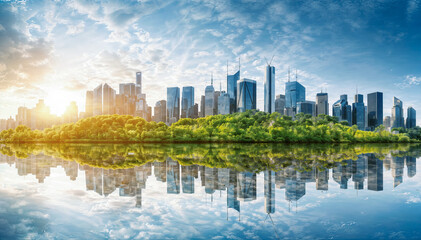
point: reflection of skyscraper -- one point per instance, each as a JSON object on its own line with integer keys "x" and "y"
{"x": 187, "y": 179}
{"x": 360, "y": 172}
{"x": 411, "y": 165}
{"x": 173, "y": 176}
{"x": 342, "y": 173}
{"x": 232, "y": 191}
{"x": 397, "y": 165}
{"x": 246, "y": 184}
{"x": 210, "y": 183}
{"x": 322, "y": 179}
{"x": 294, "y": 189}
{"x": 375, "y": 173}
{"x": 160, "y": 171}
{"x": 269, "y": 191}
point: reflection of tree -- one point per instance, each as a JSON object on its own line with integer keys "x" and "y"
{"x": 242, "y": 157}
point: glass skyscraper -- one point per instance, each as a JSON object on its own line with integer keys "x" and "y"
{"x": 342, "y": 110}
{"x": 411, "y": 119}
{"x": 232, "y": 90}
{"x": 280, "y": 104}
{"x": 358, "y": 112}
{"x": 138, "y": 83}
{"x": 374, "y": 109}
{"x": 246, "y": 95}
{"x": 322, "y": 104}
{"x": 209, "y": 100}
{"x": 187, "y": 102}
{"x": 397, "y": 120}
{"x": 269, "y": 95}
{"x": 294, "y": 93}
{"x": 173, "y": 104}
{"x": 307, "y": 107}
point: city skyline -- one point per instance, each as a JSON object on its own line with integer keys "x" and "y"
{"x": 114, "y": 41}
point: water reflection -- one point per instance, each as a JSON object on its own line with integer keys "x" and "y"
{"x": 291, "y": 175}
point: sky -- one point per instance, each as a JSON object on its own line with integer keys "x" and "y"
{"x": 57, "y": 50}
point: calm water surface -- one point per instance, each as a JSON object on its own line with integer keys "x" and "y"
{"x": 210, "y": 192}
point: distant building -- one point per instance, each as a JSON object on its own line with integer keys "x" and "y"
{"x": 108, "y": 100}
{"x": 209, "y": 100}
{"x": 187, "y": 102}
{"x": 71, "y": 114}
{"x": 375, "y": 110}
{"x": 232, "y": 90}
{"x": 23, "y": 117}
{"x": 294, "y": 93}
{"x": 215, "y": 102}
{"x": 411, "y": 118}
{"x": 280, "y": 104}
{"x": 138, "y": 83}
{"x": 358, "y": 112}
{"x": 342, "y": 110}
{"x": 202, "y": 106}
{"x": 224, "y": 103}
{"x": 246, "y": 95}
{"x": 322, "y": 104}
{"x": 89, "y": 106}
{"x": 397, "y": 120}
{"x": 173, "y": 104}
{"x": 269, "y": 85}
{"x": 97, "y": 101}
{"x": 387, "y": 122}
{"x": 160, "y": 111}
{"x": 307, "y": 107}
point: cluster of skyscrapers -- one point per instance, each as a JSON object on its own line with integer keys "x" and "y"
{"x": 240, "y": 96}
{"x": 240, "y": 186}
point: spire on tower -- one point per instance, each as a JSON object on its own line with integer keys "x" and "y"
{"x": 296, "y": 75}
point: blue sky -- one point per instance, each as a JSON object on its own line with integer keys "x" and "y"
{"x": 57, "y": 50}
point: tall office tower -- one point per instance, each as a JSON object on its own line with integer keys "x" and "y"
{"x": 23, "y": 117}
{"x": 411, "y": 118}
{"x": 246, "y": 95}
{"x": 187, "y": 102}
{"x": 173, "y": 104}
{"x": 374, "y": 110}
{"x": 71, "y": 114}
{"x": 280, "y": 104}
{"x": 89, "y": 105}
{"x": 307, "y": 107}
{"x": 374, "y": 173}
{"x": 141, "y": 106}
{"x": 202, "y": 106}
{"x": 294, "y": 93}
{"x": 160, "y": 111}
{"x": 108, "y": 100}
{"x": 196, "y": 110}
{"x": 209, "y": 99}
{"x": 138, "y": 83}
{"x": 129, "y": 91}
{"x": 342, "y": 110}
{"x": 232, "y": 89}
{"x": 97, "y": 101}
{"x": 358, "y": 112}
{"x": 322, "y": 104}
{"x": 269, "y": 89}
{"x": 397, "y": 119}
{"x": 387, "y": 122}
{"x": 269, "y": 186}
{"x": 224, "y": 103}
{"x": 215, "y": 102}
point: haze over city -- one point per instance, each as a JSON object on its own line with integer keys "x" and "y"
{"x": 58, "y": 50}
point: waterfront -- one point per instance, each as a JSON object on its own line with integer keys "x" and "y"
{"x": 261, "y": 191}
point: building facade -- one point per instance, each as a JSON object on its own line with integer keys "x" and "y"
{"x": 269, "y": 88}
{"x": 411, "y": 118}
{"x": 322, "y": 104}
{"x": 294, "y": 93}
{"x": 342, "y": 110}
{"x": 173, "y": 104}
{"x": 280, "y": 104}
{"x": 246, "y": 95}
{"x": 358, "y": 112}
{"x": 187, "y": 102}
{"x": 232, "y": 90}
{"x": 374, "y": 110}
{"x": 397, "y": 119}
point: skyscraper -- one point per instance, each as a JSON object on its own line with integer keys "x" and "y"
{"x": 342, "y": 110}
{"x": 374, "y": 110}
{"x": 232, "y": 89}
{"x": 224, "y": 103}
{"x": 269, "y": 89}
{"x": 138, "y": 83}
{"x": 411, "y": 118}
{"x": 160, "y": 111}
{"x": 89, "y": 106}
{"x": 187, "y": 102}
{"x": 209, "y": 100}
{"x": 202, "y": 106}
{"x": 294, "y": 93}
{"x": 358, "y": 112}
{"x": 108, "y": 100}
{"x": 280, "y": 104}
{"x": 97, "y": 101}
{"x": 397, "y": 120}
{"x": 246, "y": 95}
{"x": 307, "y": 107}
{"x": 173, "y": 104}
{"x": 322, "y": 104}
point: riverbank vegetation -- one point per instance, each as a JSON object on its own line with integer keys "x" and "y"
{"x": 251, "y": 126}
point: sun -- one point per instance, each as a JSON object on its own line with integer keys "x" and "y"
{"x": 58, "y": 101}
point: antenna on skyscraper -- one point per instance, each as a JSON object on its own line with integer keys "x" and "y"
{"x": 296, "y": 75}
{"x": 267, "y": 62}
{"x": 270, "y": 63}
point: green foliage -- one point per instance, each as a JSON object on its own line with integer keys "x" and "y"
{"x": 251, "y": 126}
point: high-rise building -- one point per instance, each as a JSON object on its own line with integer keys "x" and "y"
{"x": 269, "y": 93}
{"x": 397, "y": 119}
{"x": 202, "y": 106}
{"x": 411, "y": 118}
{"x": 232, "y": 90}
{"x": 187, "y": 102}
{"x": 307, "y": 107}
{"x": 141, "y": 106}
{"x": 71, "y": 114}
{"x": 342, "y": 110}
{"x": 374, "y": 110}
{"x": 280, "y": 104}
{"x": 23, "y": 117}
{"x": 97, "y": 101}
{"x": 322, "y": 104}
{"x": 246, "y": 95}
{"x": 89, "y": 106}
{"x": 209, "y": 100}
{"x": 387, "y": 122}
{"x": 160, "y": 111}
{"x": 173, "y": 104}
{"x": 358, "y": 112}
{"x": 108, "y": 100}
{"x": 215, "y": 102}
{"x": 138, "y": 83}
{"x": 224, "y": 103}
{"x": 294, "y": 93}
